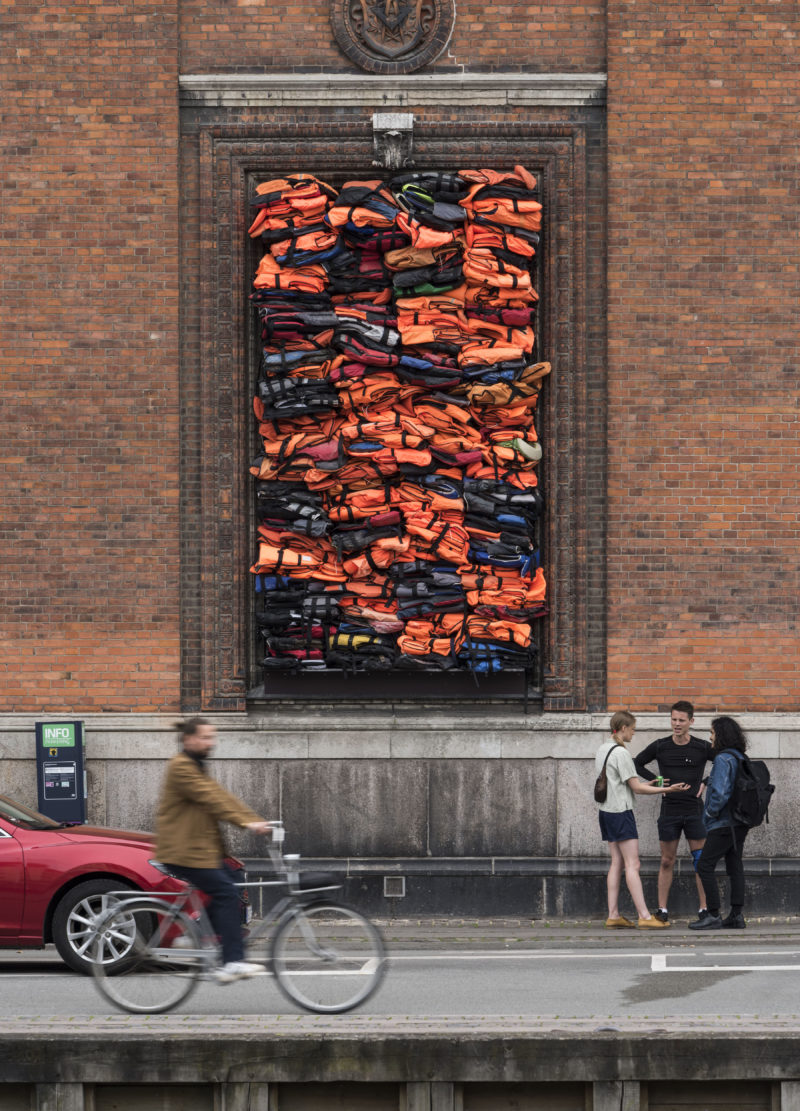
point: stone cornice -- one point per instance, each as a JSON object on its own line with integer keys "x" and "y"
{"x": 327, "y": 732}
{"x": 369, "y": 716}
{"x": 337, "y": 90}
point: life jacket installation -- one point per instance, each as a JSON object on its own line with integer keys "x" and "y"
{"x": 396, "y": 484}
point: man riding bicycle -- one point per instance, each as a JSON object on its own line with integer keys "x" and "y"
{"x": 190, "y": 844}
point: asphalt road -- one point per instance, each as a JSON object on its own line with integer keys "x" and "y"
{"x": 498, "y": 969}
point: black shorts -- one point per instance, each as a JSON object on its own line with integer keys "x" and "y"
{"x": 670, "y": 827}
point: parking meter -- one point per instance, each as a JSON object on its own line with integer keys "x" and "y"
{"x": 59, "y": 770}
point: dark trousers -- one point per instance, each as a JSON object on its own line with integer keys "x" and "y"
{"x": 728, "y": 842}
{"x": 224, "y": 909}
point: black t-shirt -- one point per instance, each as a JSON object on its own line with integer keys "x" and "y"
{"x": 679, "y": 764}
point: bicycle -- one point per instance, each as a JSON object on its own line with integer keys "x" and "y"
{"x": 152, "y": 949}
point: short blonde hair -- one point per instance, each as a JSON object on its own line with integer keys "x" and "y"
{"x": 620, "y": 719}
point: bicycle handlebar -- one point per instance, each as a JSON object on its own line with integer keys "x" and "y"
{"x": 278, "y": 832}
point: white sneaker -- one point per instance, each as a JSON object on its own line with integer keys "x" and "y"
{"x": 238, "y": 970}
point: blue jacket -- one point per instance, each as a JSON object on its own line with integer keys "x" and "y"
{"x": 717, "y": 807}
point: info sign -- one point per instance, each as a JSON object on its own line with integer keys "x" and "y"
{"x": 60, "y": 770}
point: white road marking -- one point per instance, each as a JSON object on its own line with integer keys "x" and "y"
{"x": 432, "y": 955}
{"x": 320, "y": 972}
{"x": 659, "y": 964}
{"x": 752, "y": 952}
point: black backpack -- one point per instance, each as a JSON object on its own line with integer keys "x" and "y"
{"x": 752, "y": 792}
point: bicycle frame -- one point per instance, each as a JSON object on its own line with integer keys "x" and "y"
{"x": 325, "y": 957}
{"x": 189, "y": 901}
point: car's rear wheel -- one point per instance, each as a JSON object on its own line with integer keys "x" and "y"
{"x": 74, "y": 924}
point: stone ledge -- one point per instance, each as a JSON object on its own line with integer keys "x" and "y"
{"x": 338, "y": 90}
{"x": 302, "y": 1048}
{"x": 329, "y": 732}
{"x": 554, "y": 867}
{"x": 540, "y": 889}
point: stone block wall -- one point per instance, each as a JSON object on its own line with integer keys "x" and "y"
{"x": 385, "y": 784}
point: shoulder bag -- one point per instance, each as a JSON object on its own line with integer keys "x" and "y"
{"x": 601, "y": 783}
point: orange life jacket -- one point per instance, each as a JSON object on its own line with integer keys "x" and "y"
{"x": 359, "y": 505}
{"x": 504, "y": 632}
{"x": 305, "y": 279}
{"x": 489, "y": 352}
{"x": 481, "y": 264}
{"x": 312, "y": 241}
{"x": 523, "y": 480}
{"x": 479, "y": 235}
{"x": 411, "y": 498}
{"x": 508, "y": 589}
{"x": 521, "y": 393}
{"x": 421, "y": 235}
{"x": 440, "y": 635}
{"x": 383, "y": 388}
{"x": 442, "y": 539}
{"x": 366, "y": 563}
{"x": 378, "y": 587}
{"x": 518, "y": 176}
{"x": 450, "y": 302}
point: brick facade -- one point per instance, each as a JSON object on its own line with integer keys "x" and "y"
{"x": 120, "y": 528}
{"x": 704, "y": 317}
{"x": 89, "y": 357}
{"x": 296, "y": 37}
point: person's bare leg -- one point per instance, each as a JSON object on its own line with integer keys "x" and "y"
{"x": 613, "y": 879}
{"x": 630, "y": 861}
{"x": 669, "y": 850}
{"x": 700, "y": 892}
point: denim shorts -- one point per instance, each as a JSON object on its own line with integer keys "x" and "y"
{"x": 618, "y": 827}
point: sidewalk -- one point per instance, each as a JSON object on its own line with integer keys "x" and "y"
{"x": 442, "y": 934}
{"x": 526, "y": 933}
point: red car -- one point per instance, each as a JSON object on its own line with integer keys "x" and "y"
{"x": 55, "y": 880}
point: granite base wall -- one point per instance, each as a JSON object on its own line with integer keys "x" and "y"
{"x": 480, "y": 814}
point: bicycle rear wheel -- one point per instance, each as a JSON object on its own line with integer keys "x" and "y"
{"x": 327, "y": 958}
{"x": 164, "y": 956}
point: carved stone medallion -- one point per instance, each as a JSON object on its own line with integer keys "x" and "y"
{"x": 392, "y": 36}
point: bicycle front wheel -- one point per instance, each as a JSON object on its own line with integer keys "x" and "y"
{"x": 327, "y": 958}
{"x": 163, "y": 956}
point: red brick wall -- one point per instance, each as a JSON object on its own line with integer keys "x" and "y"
{"x": 561, "y": 36}
{"x": 89, "y": 356}
{"x": 703, "y": 321}
{"x": 703, "y": 554}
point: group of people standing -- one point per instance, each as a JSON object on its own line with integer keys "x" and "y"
{"x": 692, "y": 804}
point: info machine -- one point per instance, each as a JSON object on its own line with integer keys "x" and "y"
{"x": 59, "y": 770}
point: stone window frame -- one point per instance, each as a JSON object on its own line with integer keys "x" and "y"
{"x": 220, "y": 669}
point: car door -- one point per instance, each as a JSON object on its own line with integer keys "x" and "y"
{"x": 12, "y": 884}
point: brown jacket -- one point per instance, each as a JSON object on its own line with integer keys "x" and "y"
{"x": 189, "y": 810}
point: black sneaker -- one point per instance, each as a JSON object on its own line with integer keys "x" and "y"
{"x": 703, "y": 913}
{"x": 661, "y": 915}
{"x": 710, "y": 922}
{"x": 734, "y": 922}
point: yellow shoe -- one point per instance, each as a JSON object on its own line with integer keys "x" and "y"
{"x": 653, "y": 924}
{"x": 619, "y": 924}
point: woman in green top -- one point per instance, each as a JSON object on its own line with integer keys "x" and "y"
{"x": 618, "y": 825}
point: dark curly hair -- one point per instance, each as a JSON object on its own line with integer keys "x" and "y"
{"x": 728, "y": 734}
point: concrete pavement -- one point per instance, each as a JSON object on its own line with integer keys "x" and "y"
{"x": 527, "y": 933}
{"x": 501, "y": 932}
{"x": 251, "y": 1059}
